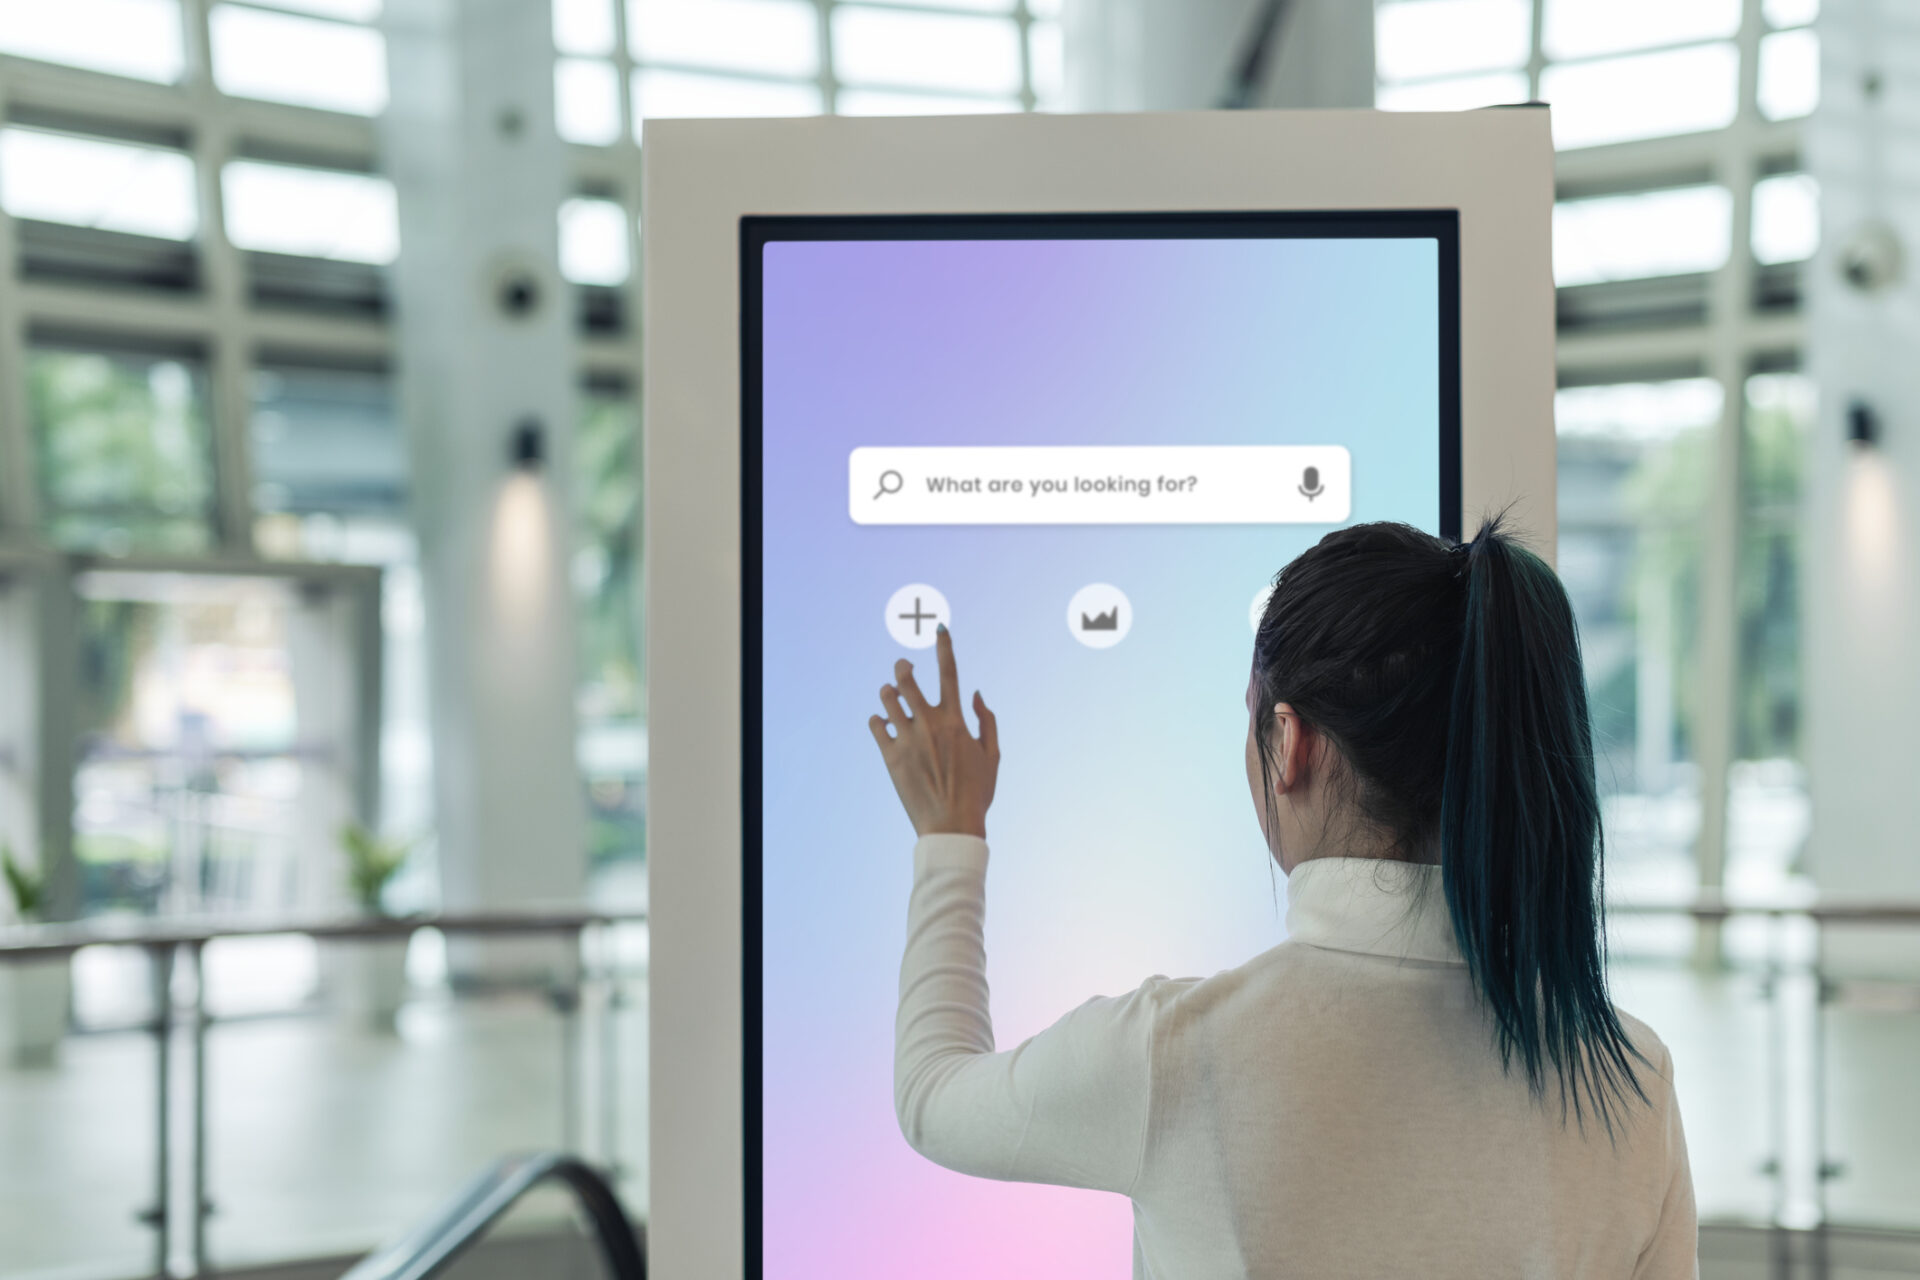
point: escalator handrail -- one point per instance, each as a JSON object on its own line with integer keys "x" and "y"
{"x": 429, "y": 1248}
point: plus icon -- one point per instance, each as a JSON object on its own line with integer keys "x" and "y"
{"x": 912, "y": 613}
{"x": 917, "y": 616}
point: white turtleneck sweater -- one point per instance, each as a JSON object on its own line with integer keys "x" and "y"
{"x": 1334, "y": 1107}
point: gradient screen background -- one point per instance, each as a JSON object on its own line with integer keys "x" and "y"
{"x": 1124, "y": 839}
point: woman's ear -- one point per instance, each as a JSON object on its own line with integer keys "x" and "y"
{"x": 1290, "y": 748}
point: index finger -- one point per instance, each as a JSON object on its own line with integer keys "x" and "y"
{"x": 949, "y": 672}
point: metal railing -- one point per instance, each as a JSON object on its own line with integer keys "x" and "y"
{"x": 433, "y": 1246}
{"x": 1788, "y": 966}
{"x": 170, "y": 942}
{"x": 1797, "y": 1228}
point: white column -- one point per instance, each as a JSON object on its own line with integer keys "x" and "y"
{"x": 223, "y": 279}
{"x": 1178, "y": 55}
{"x": 1716, "y": 682}
{"x": 1861, "y": 570}
{"x": 37, "y": 744}
{"x": 486, "y": 348}
{"x": 36, "y": 636}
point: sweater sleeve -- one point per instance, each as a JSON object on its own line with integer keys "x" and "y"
{"x": 1674, "y": 1251}
{"x": 1069, "y": 1106}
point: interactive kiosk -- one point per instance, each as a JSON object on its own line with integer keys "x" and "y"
{"x": 1075, "y": 387}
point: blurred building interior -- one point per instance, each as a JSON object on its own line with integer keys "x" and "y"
{"x": 263, "y": 491}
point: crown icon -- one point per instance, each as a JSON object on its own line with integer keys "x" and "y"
{"x": 1108, "y": 621}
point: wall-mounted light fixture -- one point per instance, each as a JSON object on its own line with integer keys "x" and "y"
{"x": 1863, "y": 424}
{"x": 521, "y": 566}
{"x": 1871, "y": 257}
{"x": 528, "y": 446}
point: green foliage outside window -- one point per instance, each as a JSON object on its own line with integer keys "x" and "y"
{"x": 1667, "y": 496}
{"x": 124, "y": 448}
{"x": 612, "y": 695}
{"x": 1778, "y": 407}
{"x": 1667, "y": 493}
{"x": 608, "y": 491}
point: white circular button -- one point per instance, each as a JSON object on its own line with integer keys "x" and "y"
{"x": 914, "y": 614}
{"x": 1099, "y": 615}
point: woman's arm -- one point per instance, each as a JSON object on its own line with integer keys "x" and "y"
{"x": 1674, "y": 1251}
{"x": 1071, "y": 1104}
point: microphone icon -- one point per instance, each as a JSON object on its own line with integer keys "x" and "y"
{"x": 1310, "y": 483}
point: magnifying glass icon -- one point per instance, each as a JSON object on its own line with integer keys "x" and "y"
{"x": 890, "y": 482}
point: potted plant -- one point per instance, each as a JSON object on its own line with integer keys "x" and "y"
{"x": 371, "y": 972}
{"x": 33, "y": 993}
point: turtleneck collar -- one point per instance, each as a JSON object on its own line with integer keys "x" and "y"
{"x": 1374, "y": 906}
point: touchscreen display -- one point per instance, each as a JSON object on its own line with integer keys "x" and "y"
{"x": 1085, "y": 444}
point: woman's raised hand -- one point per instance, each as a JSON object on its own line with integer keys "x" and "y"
{"x": 943, "y": 773}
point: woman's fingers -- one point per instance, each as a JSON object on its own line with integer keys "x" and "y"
{"x": 943, "y": 774}
{"x": 909, "y": 687}
{"x": 890, "y": 699}
{"x": 989, "y": 727}
{"x": 949, "y": 671}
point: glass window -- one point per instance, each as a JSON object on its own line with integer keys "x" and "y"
{"x": 1647, "y": 96}
{"x": 89, "y": 182}
{"x": 1638, "y": 413}
{"x": 187, "y": 795}
{"x": 583, "y": 26}
{"x": 681, "y": 93}
{"x": 1463, "y": 94}
{"x": 124, "y": 449}
{"x": 612, "y": 696}
{"x": 1654, "y": 233}
{"x": 1779, "y": 413}
{"x": 138, "y": 38}
{"x": 309, "y": 62}
{"x": 1585, "y": 28}
{"x": 1789, "y": 74}
{"x": 326, "y": 439}
{"x": 984, "y": 6}
{"x": 348, "y": 10}
{"x": 881, "y": 102}
{"x": 593, "y": 242}
{"x": 926, "y": 50}
{"x": 1047, "y": 64}
{"x": 1421, "y": 39}
{"x": 586, "y": 101}
{"x": 1790, "y": 13}
{"x": 332, "y": 483}
{"x": 1768, "y": 810}
{"x": 1635, "y": 471}
{"x": 1786, "y": 218}
{"x": 776, "y": 37}
{"x": 608, "y": 480}
{"x": 314, "y": 213}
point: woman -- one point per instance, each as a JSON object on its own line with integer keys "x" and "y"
{"x": 1427, "y": 1078}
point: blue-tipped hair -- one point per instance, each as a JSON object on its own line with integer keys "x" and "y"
{"x": 1449, "y": 678}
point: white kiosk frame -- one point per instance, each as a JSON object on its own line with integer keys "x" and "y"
{"x": 701, "y": 177}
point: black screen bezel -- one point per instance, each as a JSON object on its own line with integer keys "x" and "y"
{"x": 756, "y": 232}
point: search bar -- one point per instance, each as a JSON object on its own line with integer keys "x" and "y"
{"x": 1101, "y": 484}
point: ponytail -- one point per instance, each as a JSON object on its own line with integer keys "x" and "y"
{"x": 1449, "y": 678}
{"x": 1520, "y": 830}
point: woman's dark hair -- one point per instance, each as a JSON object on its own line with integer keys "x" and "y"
{"x": 1448, "y": 677}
